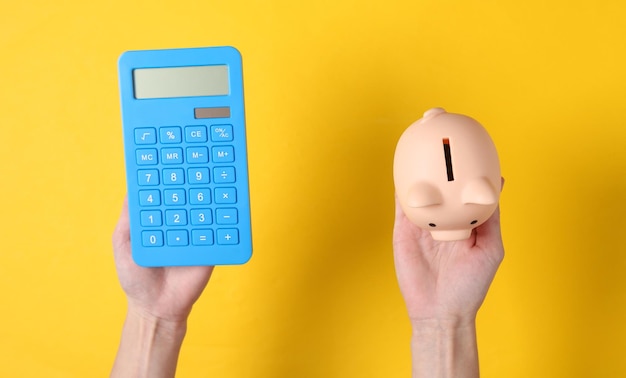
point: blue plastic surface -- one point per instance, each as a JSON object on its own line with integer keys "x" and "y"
{"x": 187, "y": 178}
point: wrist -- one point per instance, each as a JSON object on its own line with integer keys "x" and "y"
{"x": 169, "y": 328}
{"x": 444, "y": 347}
{"x": 153, "y": 310}
{"x": 444, "y": 324}
{"x": 150, "y": 345}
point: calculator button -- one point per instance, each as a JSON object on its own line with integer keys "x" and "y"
{"x": 149, "y": 198}
{"x": 226, "y": 216}
{"x": 145, "y": 135}
{"x": 202, "y": 237}
{"x": 196, "y": 155}
{"x": 175, "y": 176}
{"x": 225, "y": 195}
{"x": 176, "y": 217}
{"x": 177, "y": 238}
{"x": 199, "y": 196}
{"x": 148, "y": 177}
{"x": 200, "y": 216}
{"x": 228, "y": 236}
{"x": 151, "y": 218}
{"x": 223, "y": 154}
{"x": 198, "y": 175}
{"x": 146, "y": 156}
{"x": 224, "y": 175}
{"x": 174, "y": 197}
{"x": 221, "y": 133}
{"x": 170, "y": 134}
{"x": 152, "y": 238}
{"x": 171, "y": 155}
{"x": 195, "y": 134}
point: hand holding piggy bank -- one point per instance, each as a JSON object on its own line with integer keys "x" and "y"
{"x": 447, "y": 174}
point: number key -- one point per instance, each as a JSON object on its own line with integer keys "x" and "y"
{"x": 151, "y": 218}
{"x": 148, "y": 177}
{"x": 149, "y": 198}
{"x": 198, "y": 175}
{"x": 174, "y": 176}
{"x": 199, "y": 196}
{"x": 175, "y": 217}
{"x": 201, "y": 216}
{"x": 174, "y": 197}
{"x": 152, "y": 238}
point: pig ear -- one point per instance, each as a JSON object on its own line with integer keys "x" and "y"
{"x": 479, "y": 191}
{"x": 423, "y": 194}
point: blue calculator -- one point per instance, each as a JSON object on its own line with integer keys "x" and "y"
{"x": 186, "y": 157}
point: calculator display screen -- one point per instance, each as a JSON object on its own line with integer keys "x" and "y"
{"x": 174, "y": 82}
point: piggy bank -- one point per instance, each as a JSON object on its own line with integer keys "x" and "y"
{"x": 447, "y": 174}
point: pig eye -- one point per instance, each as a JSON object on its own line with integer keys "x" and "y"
{"x": 432, "y": 225}
{"x": 474, "y": 221}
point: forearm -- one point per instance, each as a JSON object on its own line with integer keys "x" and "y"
{"x": 444, "y": 349}
{"x": 149, "y": 347}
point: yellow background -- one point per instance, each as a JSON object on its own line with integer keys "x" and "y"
{"x": 330, "y": 86}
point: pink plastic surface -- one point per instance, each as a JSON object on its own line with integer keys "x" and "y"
{"x": 447, "y": 174}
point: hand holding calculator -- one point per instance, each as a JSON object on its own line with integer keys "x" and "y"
{"x": 186, "y": 156}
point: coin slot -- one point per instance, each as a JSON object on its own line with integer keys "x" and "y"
{"x": 447, "y": 153}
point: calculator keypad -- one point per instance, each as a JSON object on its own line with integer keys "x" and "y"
{"x": 187, "y": 185}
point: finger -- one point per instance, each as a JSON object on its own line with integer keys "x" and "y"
{"x": 490, "y": 232}
{"x": 399, "y": 212}
{"x": 489, "y": 237}
{"x": 402, "y": 223}
{"x": 121, "y": 234}
{"x": 406, "y": 235}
